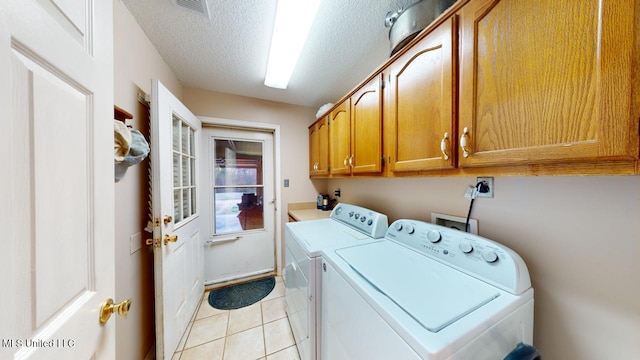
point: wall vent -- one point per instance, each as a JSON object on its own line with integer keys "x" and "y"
{"x": 199, "y": 6}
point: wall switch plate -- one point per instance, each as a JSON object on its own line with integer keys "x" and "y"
{"x": 135, "y": 243}
{"x": 286, "y": 182}
{"x": 454, "y": 222}
{"x": 486, "y": 189}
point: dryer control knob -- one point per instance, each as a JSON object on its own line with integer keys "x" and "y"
{"x": 466, "y": 247}
{"x": 398, "y": 226}
{"x": 410, "y": 229}
{"x": 434, "y": 236}
{"x": 489, "y": 256}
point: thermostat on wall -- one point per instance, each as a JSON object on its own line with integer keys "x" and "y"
{"x": 454, "y": 222}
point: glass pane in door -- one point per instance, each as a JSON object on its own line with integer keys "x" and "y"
{"x": 184, "y": 184}
{"x": 238, "y": 189}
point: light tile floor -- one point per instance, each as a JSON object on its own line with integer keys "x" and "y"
{"x": 257, "y": 332}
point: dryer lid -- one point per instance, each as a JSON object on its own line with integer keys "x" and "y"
{"x": 433, "y": 294}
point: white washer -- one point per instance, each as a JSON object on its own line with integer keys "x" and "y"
{"x": 348, "y": 225}
{"x": 425, "y": 292}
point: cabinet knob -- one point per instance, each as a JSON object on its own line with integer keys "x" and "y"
{"x": 463, "y": 142}
{"x": 443, "y": 146}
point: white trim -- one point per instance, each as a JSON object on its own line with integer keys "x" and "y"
{"x": 243, "y": 277}
{"x": 252, "y": 125}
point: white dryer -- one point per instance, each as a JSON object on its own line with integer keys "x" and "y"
{"x": 348, "y": 225}
{"x": 425, "y": 292}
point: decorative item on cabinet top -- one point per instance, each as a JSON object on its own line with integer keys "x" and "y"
{"x": 129, "y": 146}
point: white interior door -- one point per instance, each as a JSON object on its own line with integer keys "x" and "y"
{"x": 57, "y": 183}
{"x": 241, "y": 213}
{"x": 177, "y": 245}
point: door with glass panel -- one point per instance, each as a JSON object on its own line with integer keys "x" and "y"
{"x": 177, "y": 246}
{"x": 242, "y": 205}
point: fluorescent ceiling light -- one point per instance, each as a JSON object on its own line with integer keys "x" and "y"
{"x": 292, "y": 24}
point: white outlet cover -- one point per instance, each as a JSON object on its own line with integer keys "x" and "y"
{"x": 454, "y": 222}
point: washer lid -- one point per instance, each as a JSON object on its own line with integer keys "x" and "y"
{"x": 317, "y": 235}
{"x": 432, "y": 293}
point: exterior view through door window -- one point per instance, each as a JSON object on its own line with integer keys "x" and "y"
{"x": 239, "y": 187}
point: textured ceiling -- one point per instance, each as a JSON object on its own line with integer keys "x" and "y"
{"x": 229, "y": 52}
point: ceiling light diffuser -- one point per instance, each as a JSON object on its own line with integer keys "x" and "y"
{"x": 293, "y": 22}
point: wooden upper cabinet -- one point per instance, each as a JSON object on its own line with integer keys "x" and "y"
{"x": 366, "y": 128}
{"x": 340, "y": 139}
{"x": 319, "y": 147}
{"x": 546, "y": 81}
{"x": 420, "y": 104}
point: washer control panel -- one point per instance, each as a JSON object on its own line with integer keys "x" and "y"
{"x": 477, "y": 256}
{"x": 369, "y": 222}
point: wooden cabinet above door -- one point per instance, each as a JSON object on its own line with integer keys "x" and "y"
{"x": 546, "y": 82}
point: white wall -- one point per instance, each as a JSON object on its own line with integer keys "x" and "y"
{"x": 136, "y": 62}
{"x": 580, "y": 237}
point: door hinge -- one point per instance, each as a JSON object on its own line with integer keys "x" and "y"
{"x": 156, "y": 222}
{"x": 382, "y": 160}
{"x": 382, "y": 84}
{"x": 155, "y": 242}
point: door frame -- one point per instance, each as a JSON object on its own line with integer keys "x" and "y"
{"x": 275, "y": 128}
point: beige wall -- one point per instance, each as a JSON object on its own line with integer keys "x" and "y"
{"x": 580, "y": 237}
{"x": 294, "y": 141}
{"x": 136, "y": 62}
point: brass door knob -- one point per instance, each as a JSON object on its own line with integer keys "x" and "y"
{"x": 167, "y": 219}
{"x": 108, "y": 308}
{"x": 167, "y": 239}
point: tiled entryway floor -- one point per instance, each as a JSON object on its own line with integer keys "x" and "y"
{"x": 257, "y": 332}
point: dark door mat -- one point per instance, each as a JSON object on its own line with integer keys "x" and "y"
{"x": 241, "y": 295}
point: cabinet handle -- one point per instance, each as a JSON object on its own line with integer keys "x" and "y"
{"x": 345, "y": 161}
{"x": 443, "y": 146}
{"x": 463, "y": 142}
{"x": 351, "y": 160}
{"x": 316, "y": 166}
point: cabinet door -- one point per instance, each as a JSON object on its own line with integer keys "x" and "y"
{"x": 340, "y": 139}
{"x": 319, "y": 148}
{"x": 323, "y": 146}
{"x": 420, "y": 104}
{"x": 546, "y": 81}
{"x": 366, "y": 128}
{"x": 313, "y": 149}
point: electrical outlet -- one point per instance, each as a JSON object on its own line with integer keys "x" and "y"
{"x": 485, "y": 189}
